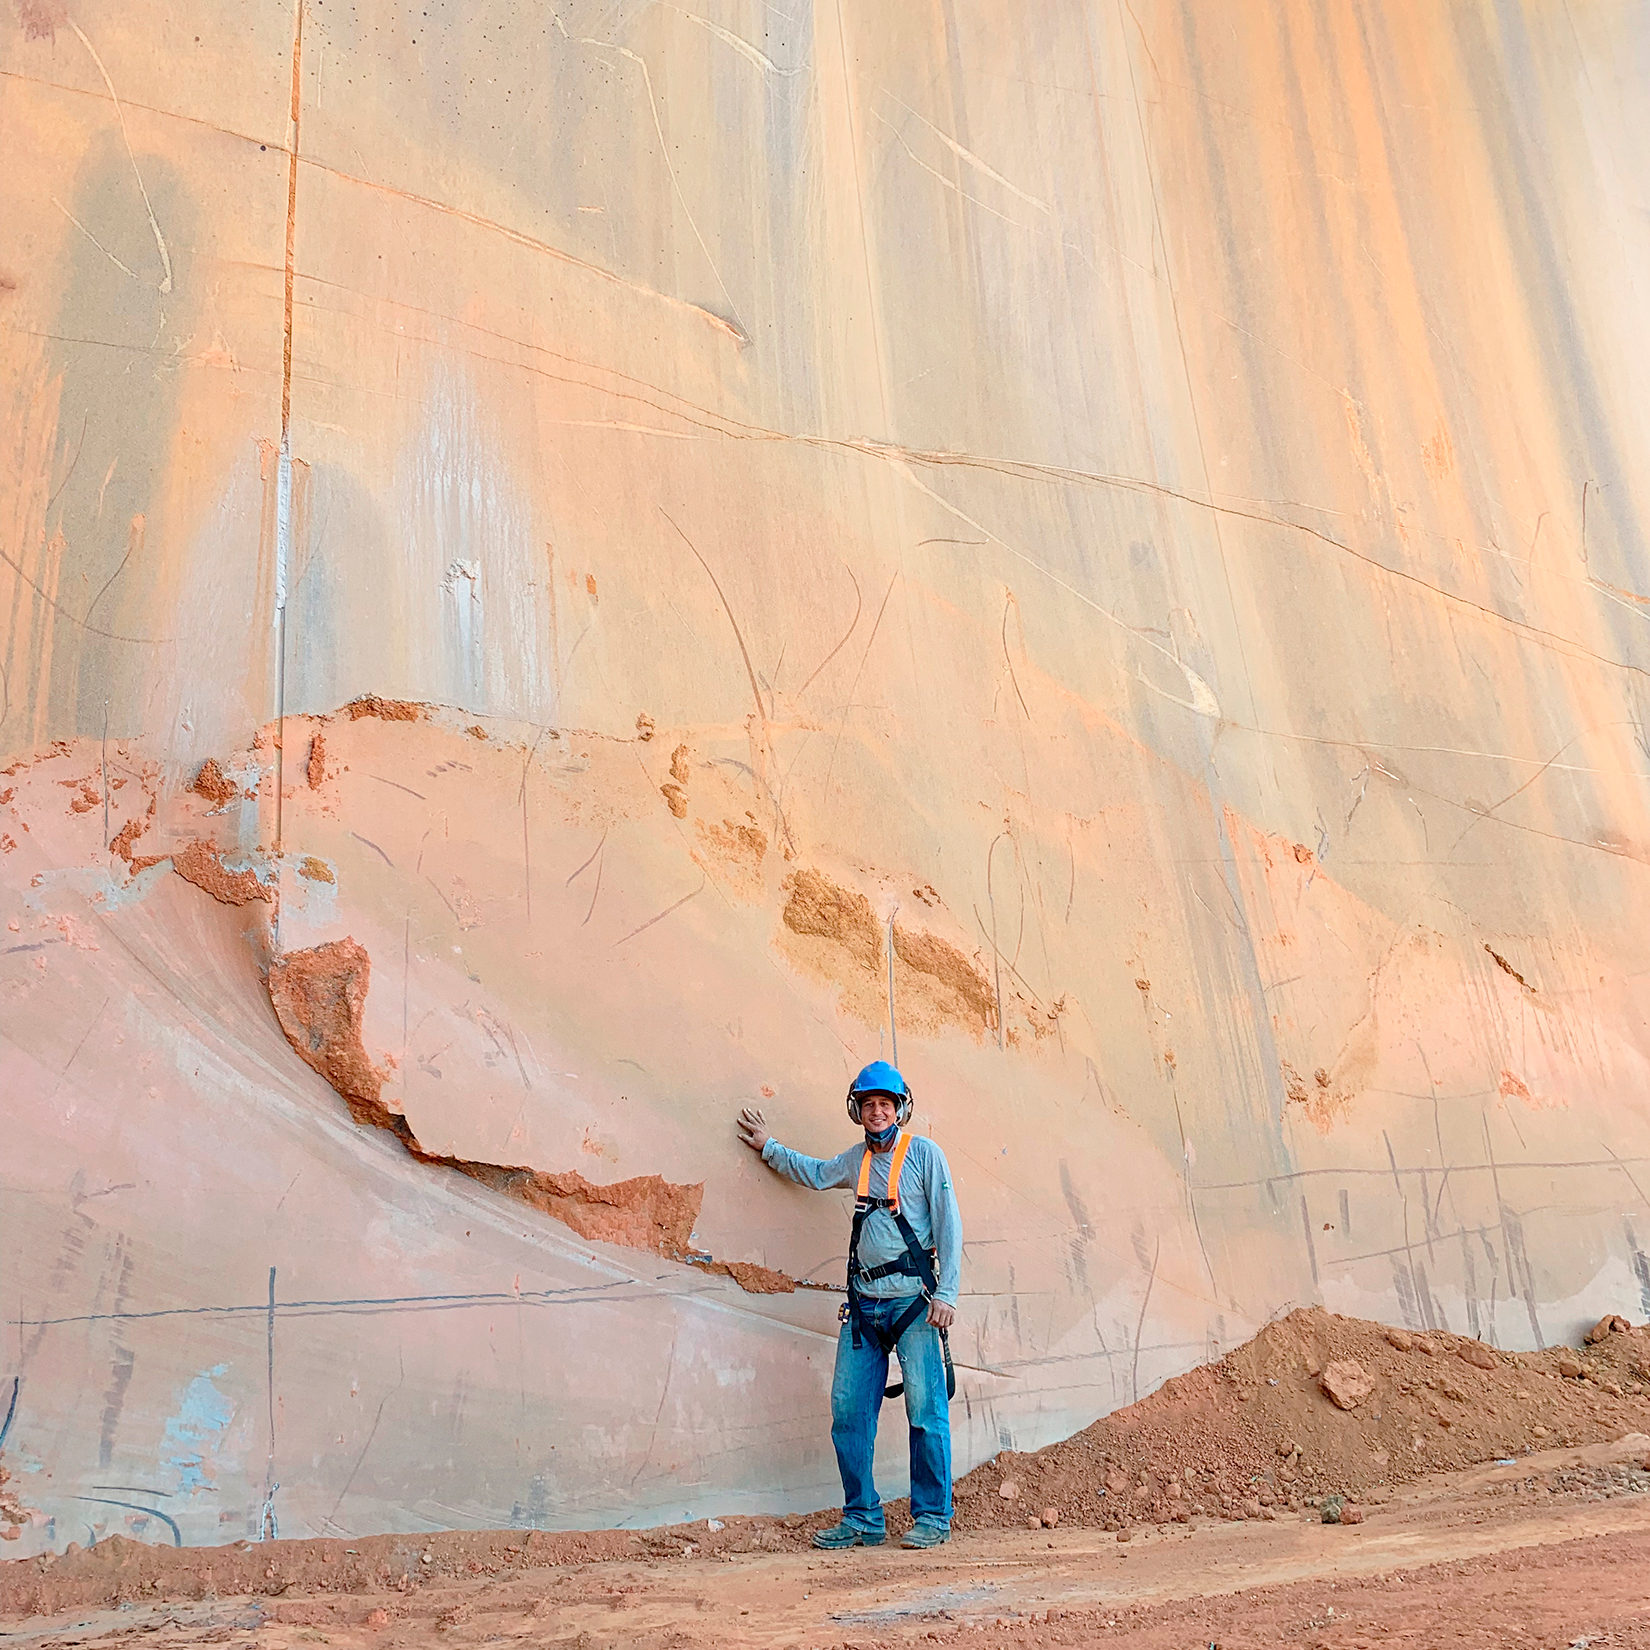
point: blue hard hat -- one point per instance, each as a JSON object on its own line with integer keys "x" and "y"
{"x": 881, "y": 1078}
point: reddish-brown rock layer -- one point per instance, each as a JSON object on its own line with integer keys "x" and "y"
{"x": 319, "y": 996}
{"x": 200, "y": 863}
{"x": 754, "y": 1279}
{"x": 647, "y": 1212}
{"x": 214, "y": 784}
{"x": 386, "y": 710}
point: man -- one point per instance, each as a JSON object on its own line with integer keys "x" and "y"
{"x": 904, "y": 1255}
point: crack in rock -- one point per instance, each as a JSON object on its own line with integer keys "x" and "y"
{"x": 319, "y": 996}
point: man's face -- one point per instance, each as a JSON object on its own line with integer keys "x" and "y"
{"x": 877, "y": 1112}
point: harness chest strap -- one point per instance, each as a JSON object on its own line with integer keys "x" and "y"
{"x": 862, "y": 1193}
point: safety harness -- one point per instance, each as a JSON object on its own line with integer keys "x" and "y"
{"x": 916, "y": 1262}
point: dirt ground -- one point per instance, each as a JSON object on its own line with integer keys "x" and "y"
{"x": 1552, "y": 1552}
{"x": 1331, "y": 1484}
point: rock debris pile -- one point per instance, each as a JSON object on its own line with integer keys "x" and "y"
{"x": 1314, "y": 1407}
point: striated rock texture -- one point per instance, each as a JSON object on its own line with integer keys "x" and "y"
{"x": 1097, "y": 547}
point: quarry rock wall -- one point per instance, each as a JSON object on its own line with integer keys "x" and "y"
{"x": 564, "y": 571}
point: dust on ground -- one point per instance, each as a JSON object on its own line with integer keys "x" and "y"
{"x": 1199, "y": 1515}
{"x": 1546, "y": 1555}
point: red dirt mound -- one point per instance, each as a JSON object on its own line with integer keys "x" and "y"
{"x": 1317, "y": 1405}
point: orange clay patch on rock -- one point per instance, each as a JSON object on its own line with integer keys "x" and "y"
{"x": 319, "y": 997}
{"x": 386, "y": 710}
{"x": 819, "y": 907}
{"x": 753, "y": 1279}
{"x": 13, "y": 1514}
{"x": 315, "y": 769}
{"x": 1323, "y": 1103}
{"x": 214, "y": 784}
{"x": 833, "y": 933}
{"x": 123, "y": 839}
{"x": 962, "y": 991}
{"x": 86, "y": 795}
{"x": 739, "y": 849}
{"x": 200, "y": 863}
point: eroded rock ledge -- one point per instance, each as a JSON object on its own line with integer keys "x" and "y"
{"x": 319, "y": 996}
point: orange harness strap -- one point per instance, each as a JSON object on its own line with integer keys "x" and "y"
{"x": 863, "y": 1191}
{"x": 901, "y": 1147}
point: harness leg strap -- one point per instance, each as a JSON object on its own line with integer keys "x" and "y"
{"x": 899, "y": 1327}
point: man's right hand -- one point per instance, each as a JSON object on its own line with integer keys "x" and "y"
{"x": 753, "y": 1128}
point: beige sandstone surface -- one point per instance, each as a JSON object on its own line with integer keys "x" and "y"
{"x": 689, "y": 539}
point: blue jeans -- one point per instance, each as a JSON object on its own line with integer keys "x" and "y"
{"x": 856, "y": 1404}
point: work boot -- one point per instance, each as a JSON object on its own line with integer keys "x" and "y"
{"x": 840, "y": 1536}
{"x": 926, "y": 1535}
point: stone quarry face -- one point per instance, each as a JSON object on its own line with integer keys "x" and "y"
{"x": 564, "y": 573}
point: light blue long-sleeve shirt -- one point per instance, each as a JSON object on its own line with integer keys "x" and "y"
{"x": 925, "y": 1199}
